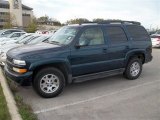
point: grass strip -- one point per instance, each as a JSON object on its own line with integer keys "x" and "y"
{"x": 4, "y": 113}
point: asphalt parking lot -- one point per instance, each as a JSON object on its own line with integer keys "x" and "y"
{"x": 113, "y": 98}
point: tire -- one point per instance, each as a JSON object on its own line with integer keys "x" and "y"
{"x": 133, "y": 69}
{"x": 49, "y": 82}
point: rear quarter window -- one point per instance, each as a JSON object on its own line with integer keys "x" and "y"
{"x": 138, "y": 33}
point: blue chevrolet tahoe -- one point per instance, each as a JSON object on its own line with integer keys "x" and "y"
{"x": 79, "y": 53}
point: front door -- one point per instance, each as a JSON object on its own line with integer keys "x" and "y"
{"x": 91, "y": 54}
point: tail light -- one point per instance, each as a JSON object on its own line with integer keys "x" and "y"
{"x": 158, "y": 38}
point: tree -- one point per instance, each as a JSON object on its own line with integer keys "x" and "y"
{"x": 43, "y": 19}
{"x": 32, "y": 27}
{"x": 98, "y": 20}
{"x": 9, "y": 21}
{"x": 46, "y": 20}
{"x": 77, "y": 21}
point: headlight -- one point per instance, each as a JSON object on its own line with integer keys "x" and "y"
{"x": 19, "y": 62}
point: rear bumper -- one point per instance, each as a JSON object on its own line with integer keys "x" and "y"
{"x": 22, "y": 79}
{"x": 155, "y": 46}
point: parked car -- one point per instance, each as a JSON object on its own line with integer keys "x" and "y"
{"x": 155, "y": 40}
{"x": 33, "y": 40}
{"x": 158, "y": 32}
{"x": 14, "y": 36}
{"x": 79, "y": 53}
{"x": 6, "y": 32}
{"x": 10, "y": 41}
{"x": 42, "y": 32}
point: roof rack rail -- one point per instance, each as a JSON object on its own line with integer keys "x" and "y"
{"x": 119, "y": 21}
{"x": 113, "y": 22}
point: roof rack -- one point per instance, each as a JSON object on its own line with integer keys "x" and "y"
{"x": 114, "y": 22}
{"x": 119, "y": 21}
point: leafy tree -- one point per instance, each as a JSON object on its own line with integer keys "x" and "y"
{"x": 7, "y": 25}
{"x": 9, "y": 21}
{"x": 43, "y": 19}
{"x": 98, "y": 20}
{"x": 77, "y": 21}
{"x": 47, "y": 20}
{"x": 32, "y": 27}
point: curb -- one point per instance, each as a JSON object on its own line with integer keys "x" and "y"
{"x": 13, "y": 110}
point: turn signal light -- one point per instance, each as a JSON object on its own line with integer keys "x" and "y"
{"x": 19, "y": 70}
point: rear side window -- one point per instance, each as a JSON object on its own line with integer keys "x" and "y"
{"x": 116, "y": 35}
{"x": 138, "y": 33}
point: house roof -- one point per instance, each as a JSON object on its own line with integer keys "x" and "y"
{"x": 24, "y": 7}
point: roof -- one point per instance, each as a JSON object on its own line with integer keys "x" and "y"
{"x": 24, "y": 7}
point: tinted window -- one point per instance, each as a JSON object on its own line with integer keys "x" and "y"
{"x": 138, "y": 33}
{"x": 91, "y": 36}
{"x": 116, "y": 35}
{"x": 15, "y": 31}
{"x": 15, "y": 35}
{"x": 7, "y": 32}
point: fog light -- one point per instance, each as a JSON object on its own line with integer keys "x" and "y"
{"x": 19, "y": 70}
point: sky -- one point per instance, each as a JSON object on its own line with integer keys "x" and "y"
{"x": 145, "y": 11}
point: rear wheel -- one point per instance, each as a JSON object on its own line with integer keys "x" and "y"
{"x": 49, "y": 82}
{"x": 133, "y": 68}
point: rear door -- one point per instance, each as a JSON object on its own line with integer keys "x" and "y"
{"x": 118, "y": 46}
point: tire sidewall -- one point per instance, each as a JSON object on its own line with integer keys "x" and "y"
{"x": 41, "y": 74}
{"x": 127, "y": 72}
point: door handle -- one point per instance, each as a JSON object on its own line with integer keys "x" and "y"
{"x": 105, "y": 50}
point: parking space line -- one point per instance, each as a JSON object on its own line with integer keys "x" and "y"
{"x": 94, "y": 98}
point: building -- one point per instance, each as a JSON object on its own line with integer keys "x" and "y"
{"x": 20, "y": 14}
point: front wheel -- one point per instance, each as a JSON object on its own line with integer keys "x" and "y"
{"x": 49, "y": 82}
{"x": 133, "y": 69}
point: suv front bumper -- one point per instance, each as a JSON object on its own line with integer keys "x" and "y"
{"x": 22, "y": 79}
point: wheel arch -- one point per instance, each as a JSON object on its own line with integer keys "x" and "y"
{"x": 61, "y": 65}
{"x": 140, "y": 54}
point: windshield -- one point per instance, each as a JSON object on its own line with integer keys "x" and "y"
{"x": 25, "y": 39}
{"x": 22, "y": 37}
{"x": 31, "y": 39}
{"x": 64, "y": 35}
{"x": 10, "y": 35}
{"x": 38, "y": 40}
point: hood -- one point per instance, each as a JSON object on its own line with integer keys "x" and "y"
{"x": 7, "y": 42}
{"x": 5, "y": 48}
{"x": 28, "y": 50}
{"x": 4, "y": 38}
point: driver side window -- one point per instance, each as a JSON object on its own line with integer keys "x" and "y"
{"x": 91, "y": 36}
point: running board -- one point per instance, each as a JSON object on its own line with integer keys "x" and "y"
{"x": 97, "y": 75}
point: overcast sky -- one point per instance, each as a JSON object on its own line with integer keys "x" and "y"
{"x": 145, "y": 11}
